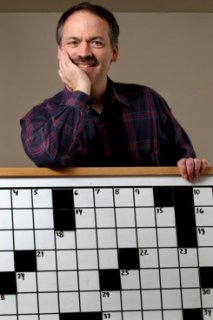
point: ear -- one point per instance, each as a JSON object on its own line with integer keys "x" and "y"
{"x": 59, "y": 52}
{"x": 115, "y": 54}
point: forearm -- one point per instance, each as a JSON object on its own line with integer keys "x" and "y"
{"x": 50, "y": 135}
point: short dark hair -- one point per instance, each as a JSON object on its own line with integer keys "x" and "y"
{"x": 100, "y": 11}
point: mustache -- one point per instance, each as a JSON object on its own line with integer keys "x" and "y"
{"x": 91, "y": 60}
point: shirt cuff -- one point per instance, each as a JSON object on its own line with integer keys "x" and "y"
{"x": 77, "y": 99}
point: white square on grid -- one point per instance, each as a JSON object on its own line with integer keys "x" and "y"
{"x": 23, "y": 219}
{"x": 48, "y": 317}
{"x": 6, "y": 240}
{"x": 27, "y": 317}
{"x": 5, "y": 199}
{"x": 103, "y": 197}
{"x": 145, "y": 217}
{"x": 205, "y": 218}
{"x": 42, "y": 198}
{"x": 106, "y": 238}
{"x": 46, "y": 261}
{"x": 189, "y": 277}
{"x": 167, "y": 237}
{"x": 131, "y": 300}
{"x": 125, "y": 217}
{"x": 86, "y": 239}
{"x": 105, "y": 217}
{"x": 168, "y": 257}
{"x": 173, "y": 314}
{"x": 47, "y": 281}
{"x": 153, "y": 315}
{"x": 147, "y": 237}
{"x": 170, "y": 278}
{"x": 203, "y": 196}
{"x": 131, "y": 280}
{"x": 24, "y": 240}
{"x": 21, "y": 198}
{"x": 69, "y": 302}
{"x": 27, "y": 303}
{"x": 68, "y": 280}
{"x": 66, "y": 260}
{"x": 44, "y": 239}
{"x": 126, "y": 238}
{"x": 6, "y": 261}
{"x": 83, "y": 198}
{"x": 132, "y": 315}
{"x": 5, "y": 219}
{"x": 90, "y": 301}
{"x": 48, "y": 302}
{"x": 143, "y": 197}
{"x": 150, "y": 279}
{"x": 207, "y": 298}
{"x": 111, "y": 302}
{"x": 151, "y": 299}
{"x": 205, "y": 257}
{"x": 85, "y": 218}
{"x": 191, "y": 298}
{"x": 123, "y": 197}
{"x": 148, "y": 258}
{"x": 108, "y": 259}
{"x": 207, "y": 240}
{"x": 43, "y": 219}
{"x": 171, "y": 299}
{"x": 8, "y": 305}
{"x": 87, "y": 259}
{"x": 67, "y": 241}
{"x": 26, "y": 282}
{"x": 188, "y": 257}
{"x": 166, "y": 218}
{"x": 89, "y": 280}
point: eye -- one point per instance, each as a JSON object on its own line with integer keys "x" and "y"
{"x": 73, "y": 43}
{"x": 97, "y": 43}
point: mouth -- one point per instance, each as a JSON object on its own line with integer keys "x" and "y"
{"x": 85, "y": 63}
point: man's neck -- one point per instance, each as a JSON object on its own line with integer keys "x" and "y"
{"x": 97, "y": 94}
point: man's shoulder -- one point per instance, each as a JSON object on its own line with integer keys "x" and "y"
{"x": 57, "y": 98}
{"x": 133, "y": 88}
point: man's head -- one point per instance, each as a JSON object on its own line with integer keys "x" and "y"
{"x": 97, "y": 10}
{"x": 88, "y": 35}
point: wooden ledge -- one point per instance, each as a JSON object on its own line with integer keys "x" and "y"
{"x": 95, "y": 172}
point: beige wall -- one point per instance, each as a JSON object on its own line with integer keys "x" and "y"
{"x": 171, "y": 52}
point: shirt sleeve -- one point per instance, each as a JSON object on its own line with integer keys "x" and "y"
{"x": 50, "y": 131}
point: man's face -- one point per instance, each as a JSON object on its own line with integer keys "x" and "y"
{"x": 85, "y": 38}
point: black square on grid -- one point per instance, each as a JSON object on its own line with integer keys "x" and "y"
{"x": 206, "y": 277}
{"x": 192, "y": 314}
{"x": 8, "y": 283}
{"x": 81, "y": 316}
{"x": 163, "y": 196}
{"x": 25, "y": 260}
{"x": 187, "y": 237}
{"x": 110, "y": 279}
{"x": 128, "y": 258}
{"x": 64, "y": 219}
{"x": 63, "y": 199}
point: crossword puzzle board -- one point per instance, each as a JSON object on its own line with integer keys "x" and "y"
{"x": 117, "y": 248}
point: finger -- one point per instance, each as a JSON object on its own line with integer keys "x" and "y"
{"x": 190, "y": 168}
{"x": 204, "y": 165}
{"x": 182, "y": 168}
{"x": 197, "y": 168}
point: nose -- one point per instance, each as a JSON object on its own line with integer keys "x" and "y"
{"x": 84, "y": 49}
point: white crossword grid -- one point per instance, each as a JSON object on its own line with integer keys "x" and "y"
{"x": 111, "y": 252}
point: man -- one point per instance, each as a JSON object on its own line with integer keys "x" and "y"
{"x": 95, "y": 121}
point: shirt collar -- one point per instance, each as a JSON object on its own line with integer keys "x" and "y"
{"x": 116, "y": 93}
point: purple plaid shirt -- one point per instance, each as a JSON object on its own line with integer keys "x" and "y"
{"x": 135, "y": 128}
